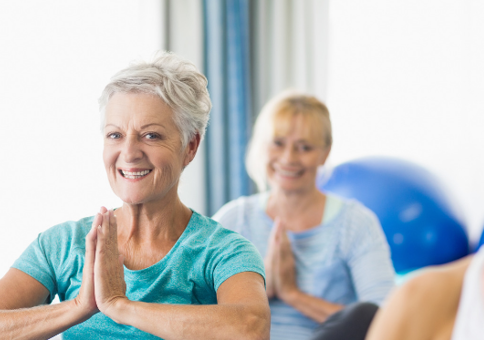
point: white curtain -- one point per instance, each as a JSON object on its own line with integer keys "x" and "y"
{"x": 183, "y": 28}
{"x": 290, "y": 47}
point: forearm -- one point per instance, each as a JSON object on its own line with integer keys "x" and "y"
{"x": 42, "y": 322}
{"x": 311, "y": 306}
{"x": 187, "y": 322}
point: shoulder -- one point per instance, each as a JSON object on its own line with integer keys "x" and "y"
{"x": 355, "y": 212}
{"x": 69, "y": 234}
{"x": 434, "y": 283}
{"x": 243, "y": 203}
{"x": 428, "y": 301}
{"x": 50, "y": 259}
{"x": 358, "y": 225}
{"x": 239, "y": 210}
{"x": 223, "y": 251}
{"x": 212, "y": 233}
{"x": 60, "y": 242}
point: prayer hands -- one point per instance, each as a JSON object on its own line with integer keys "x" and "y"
{"x": 109, "y": 283}
{"x": 280, "y": 264}
{"x": 103, "y": 282}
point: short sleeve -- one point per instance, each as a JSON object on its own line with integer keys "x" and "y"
{"x": 368, "y": 255}
{"x": 35, "y": 263}
{"x": 55, "y": 257}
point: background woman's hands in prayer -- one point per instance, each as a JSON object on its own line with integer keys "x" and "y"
{"x": 110, "y": 287}
{"x": 280, "y": 264}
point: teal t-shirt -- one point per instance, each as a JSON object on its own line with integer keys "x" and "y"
{"x": 204, "y": 256}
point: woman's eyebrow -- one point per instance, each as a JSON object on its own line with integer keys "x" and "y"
{"x": 150, "y": 124}
{"x": 143, "y": 127}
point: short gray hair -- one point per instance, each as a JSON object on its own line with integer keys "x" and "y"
{"x": 175, "y": 81}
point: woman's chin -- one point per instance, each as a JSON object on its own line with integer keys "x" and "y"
{"x": 134, "y": 198}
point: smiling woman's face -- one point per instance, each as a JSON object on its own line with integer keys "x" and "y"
{"x": 142, "y": 148}
{"x": 293, "y": 157}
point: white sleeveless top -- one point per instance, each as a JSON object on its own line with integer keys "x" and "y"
{"x": 469, "y": 323}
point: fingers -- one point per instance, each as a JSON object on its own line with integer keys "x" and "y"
{"x": 107, "y": 238}
{"x": 279, "y": 230}
{"x": 108, "y": 227}
{"x": 105, "y": 224}
{"x": 91, "y": 242}
{"x": 113, "y": 226}
{"x": 121, "y": 265}
{"x": 282, "y": 245}
{"x": 109, "y": 269}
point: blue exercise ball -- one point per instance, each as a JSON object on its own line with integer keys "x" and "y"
{"x": 481, "y": 240}
{"x": 417, "y": 215}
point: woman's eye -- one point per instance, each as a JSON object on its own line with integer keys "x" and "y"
{"x": 152, "y": 136}
{"x": 277, "y": 142}
{"x": 305, "y": 148}
{"x": 114, "y": 135}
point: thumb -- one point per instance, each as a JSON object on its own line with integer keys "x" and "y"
{"x": 279, "y": 229}
{"x": 121, "y": 269}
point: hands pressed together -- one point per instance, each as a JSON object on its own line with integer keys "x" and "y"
{"x": 280, "y": 265}
{"x": 103, "y": 285}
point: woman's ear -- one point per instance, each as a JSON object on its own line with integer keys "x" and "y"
{"x": 191, "y": 149}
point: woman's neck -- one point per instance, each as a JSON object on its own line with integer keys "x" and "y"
{"x": 298, "y": 210}
{"x": 162, "y": 220}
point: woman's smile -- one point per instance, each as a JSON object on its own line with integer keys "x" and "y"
{"x": 134, "y": 174}
{"x": 287, "y": 172}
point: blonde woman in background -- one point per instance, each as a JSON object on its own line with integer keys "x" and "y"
{"x": 322, "y": 254}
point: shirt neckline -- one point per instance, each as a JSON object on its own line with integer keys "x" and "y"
{"x": 332, "y": 206}
{"x": 162, "y": 262}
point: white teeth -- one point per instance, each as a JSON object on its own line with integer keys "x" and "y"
{"x": 288, "y": 173}
{"x": 135, "y": 175}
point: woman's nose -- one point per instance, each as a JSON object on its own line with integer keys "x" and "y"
{"x": 132, "y": 150}
{"x": 288, "y": 154}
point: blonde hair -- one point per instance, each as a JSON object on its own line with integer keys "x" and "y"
{"x": 275, "y": 119}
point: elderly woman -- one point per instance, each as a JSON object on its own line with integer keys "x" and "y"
{"x": 321, "y": 253}
{"x": 153, "y": 268}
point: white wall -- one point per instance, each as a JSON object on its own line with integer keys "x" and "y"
{"x": 55, "y": 58}
{"x": 406, "y": 79}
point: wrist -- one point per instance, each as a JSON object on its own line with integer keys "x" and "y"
{"x": 117, "y": 309}
{"x": 80, "y": 312}
{"x": 290, "y": 296}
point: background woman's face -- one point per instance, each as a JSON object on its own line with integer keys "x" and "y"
{"x": 142, "y": 148}
{"x": 293, "y": 159}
